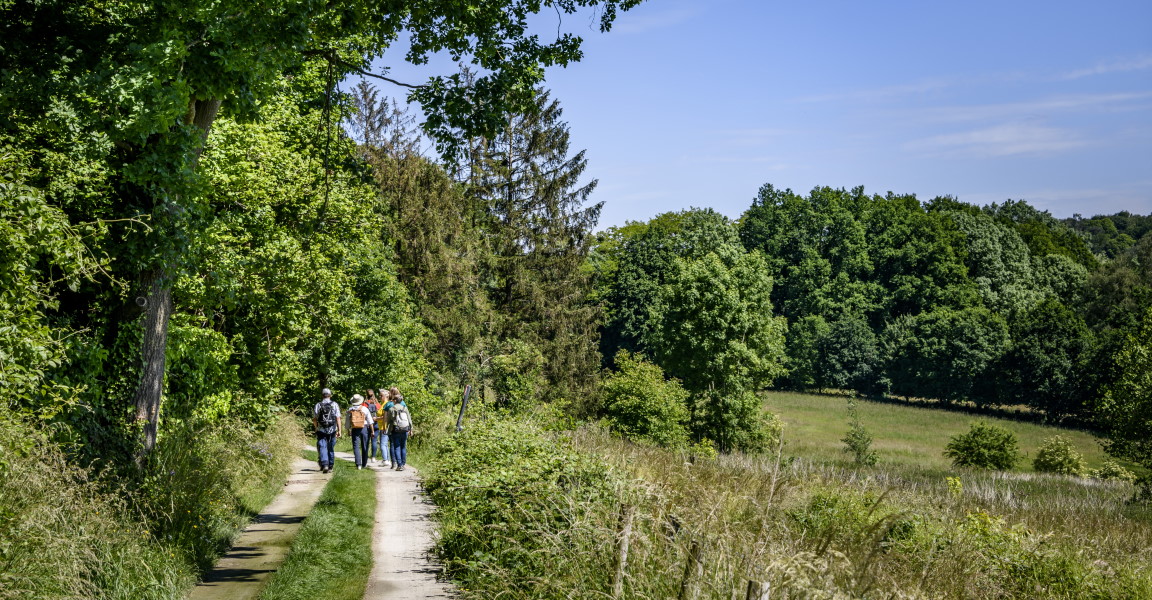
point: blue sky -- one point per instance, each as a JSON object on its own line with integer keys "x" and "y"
{"x": 700, "y": 103}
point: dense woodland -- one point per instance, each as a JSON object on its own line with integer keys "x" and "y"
{"x": 196, "y": 230}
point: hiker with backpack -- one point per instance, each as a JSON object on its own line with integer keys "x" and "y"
{"x": 326, "y": 422}
{"x": 380, "y": 430}
{"x": 373, "y": 405}
{"x": 400, "y": 427}
{"x": 358, "y": 420}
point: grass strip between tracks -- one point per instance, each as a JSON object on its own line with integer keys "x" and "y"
{"x": 332, "y": 555}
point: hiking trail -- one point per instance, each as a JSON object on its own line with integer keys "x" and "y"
{"x": 402, "y": 537}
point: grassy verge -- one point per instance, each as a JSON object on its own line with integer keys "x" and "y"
{"x": 332, "y": 555}
{"x": 64, "y": 533}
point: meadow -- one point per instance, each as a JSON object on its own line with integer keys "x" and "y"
{"x": 902, "y": 434}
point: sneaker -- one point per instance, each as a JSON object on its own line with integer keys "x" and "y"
{"x": 386, "y": 463}
{"x": 400, "y": 468}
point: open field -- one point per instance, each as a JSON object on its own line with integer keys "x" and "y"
{"x": 901, "y": 434}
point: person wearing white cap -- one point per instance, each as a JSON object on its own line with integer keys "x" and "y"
{"x": 326, "y": 421}
{"x": 358, "y": 420}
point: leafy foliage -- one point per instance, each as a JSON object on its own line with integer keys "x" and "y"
{"x": 1057, "y": 455}
{"x": 505, "y": 490}
{"x": 642, "y": 405}
{"x": 1127, "y": 404}
{"x": 984, "y": 446}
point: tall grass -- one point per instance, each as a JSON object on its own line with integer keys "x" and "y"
{"x": 65, "y": 533}
{"x": 515, "y": 524}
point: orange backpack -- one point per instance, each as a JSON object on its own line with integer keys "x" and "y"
{"x": 358, "y": 419}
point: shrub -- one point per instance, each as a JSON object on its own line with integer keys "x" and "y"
{"x": 858, "y": 442}
{"x": 513, "y": 501}
{"x": 1058, "y": 455}
{"x": 984, "y": 446}
{"x": 642, "y": 405}
{"x": 1112, "y": 470}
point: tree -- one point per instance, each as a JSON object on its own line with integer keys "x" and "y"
{"x": 641, "y": 263}
{"x": 148, "y": 80}
{"x": 1047, "y": 365}
{"x": 1126, "y": 407}
{"x": 998, "y": 263}
{"x": 945, "y": 354}
{"x": 539, "y": 228}
{"x": 433, "y": 229}
{"x": 718, "y": 336}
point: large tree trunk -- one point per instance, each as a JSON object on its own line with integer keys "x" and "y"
{"x": 158, "y": 305}
{"x": 157, "y": 309}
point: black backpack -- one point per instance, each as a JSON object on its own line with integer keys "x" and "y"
{"x": 326, "y": 420}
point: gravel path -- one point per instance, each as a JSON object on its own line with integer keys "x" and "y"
{"x": 402, "y": 567}
{"x": 261, "y": 548}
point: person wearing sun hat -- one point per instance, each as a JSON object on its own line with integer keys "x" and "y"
{"x": 358, "y": 420}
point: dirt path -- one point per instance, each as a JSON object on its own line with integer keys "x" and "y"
{"x": 261, "y": 548}
{"x": 401, "y": 539}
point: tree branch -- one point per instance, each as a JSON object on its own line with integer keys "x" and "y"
{"x": 388, "y": 79}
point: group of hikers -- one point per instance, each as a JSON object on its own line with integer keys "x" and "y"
{"x": 378, "y": 425}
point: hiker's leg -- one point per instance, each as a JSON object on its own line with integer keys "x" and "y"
{"x": 395, "y": 445}
{"x": 321, "y": 448}
{"x": 357, "y": 445}
{"x": 331, "y": 460}
{"x": 372, "y": 445}
{"x": 402, "y": 451}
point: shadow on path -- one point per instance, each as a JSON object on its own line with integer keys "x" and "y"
{"x": 242, "y": 572}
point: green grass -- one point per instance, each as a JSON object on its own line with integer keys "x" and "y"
{"x": 901, "y": 434}
{"x": 332, "y": 555}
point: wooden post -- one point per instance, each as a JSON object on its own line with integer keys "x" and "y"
{"x": 625, "y": 535}
{"x": 693, "y": 568}
{"x": 758, "y": 590}
{"x": 463, "y": 406}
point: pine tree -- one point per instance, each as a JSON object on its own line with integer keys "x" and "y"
{"x": 540, "y": 231}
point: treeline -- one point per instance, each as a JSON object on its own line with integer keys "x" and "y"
{"x": 996, "y": 305}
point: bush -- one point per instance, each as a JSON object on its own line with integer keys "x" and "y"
{"x": 642, "y": 405}
{"x": 1112, "y": 470}
{"x": 516, "y": 502}
{"x": 858, "y": 442}
{"x": 984, "y": 446}
{"x": 1058, "y": 455}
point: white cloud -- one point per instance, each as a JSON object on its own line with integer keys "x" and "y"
{"x": 1009, "y": 139}
{"x": 636, "y": 22}
{"x": 888, "y": 92}
{"x": 1137, "y": 63}
{"x": 1036, "y": 108}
